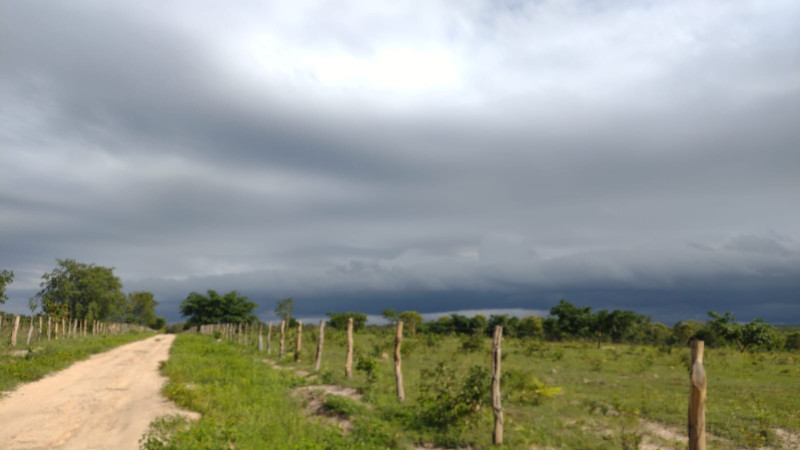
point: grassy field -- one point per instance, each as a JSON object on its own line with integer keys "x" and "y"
{"x": 559, "y": 395}
{"x": 23, "y": 363}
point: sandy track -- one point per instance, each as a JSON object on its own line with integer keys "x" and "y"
{"x": 105, "y": 402}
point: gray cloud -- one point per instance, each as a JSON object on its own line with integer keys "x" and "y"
{"x": 468, "y": 157}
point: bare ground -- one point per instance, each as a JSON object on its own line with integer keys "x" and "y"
{"x": 107, "y": 401}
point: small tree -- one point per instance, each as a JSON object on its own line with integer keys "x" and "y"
{"x": 390, "y": 315}
{"x": 411, "y": 320}
{"x": 6, "y": 277}
{"x": 339, "y": 320}
{"x": 284, "y": 309}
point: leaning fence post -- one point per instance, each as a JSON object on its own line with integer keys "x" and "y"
{"x": 299, "y": 345}
{"x": 348, "y": 361}
{"x": 283, "y": 335}
{"x": 318, "y": 361}
{"x": 398, "y": 371}
{"x": 30, "y": 332}
{"x": 697, "y": 399}
{"x": 14, "y": 330}
{"x": 497, "y": 408}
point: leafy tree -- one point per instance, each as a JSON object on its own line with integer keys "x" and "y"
{"x": 81, "y": 291}
{"x": 284, "y": 309}
{"x": 6, "y": 277}
{"x": 510, "y": 325}
{"x": 619, "y": 325}
{"x": 531, "y": 326}
{"x": 213, "y": 308}
{"x": 390, "y": 315}
{"x": 339, "y": 320}
{"x": 793, "y": 341}
{"x": 142, "y": 309}
{"x": 754, "y": 334}
{"x": 411, "y": 320}
{"x": 572, "y": 320}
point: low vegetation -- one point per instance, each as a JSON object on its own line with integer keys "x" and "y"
{"x": 570, "y": 394}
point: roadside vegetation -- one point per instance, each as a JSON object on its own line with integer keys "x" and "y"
{"x": 74, "y": 298}
{"x": 26, "y": 363}
{"x": 566, "y": 383}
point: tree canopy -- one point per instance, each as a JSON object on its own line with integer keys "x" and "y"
{"x": 81, "y": 291}
{"x": 284, "y": 309}
{"x": 339, "y": 320}
{"x": 213, "y": 308}
{"x": 6, "y": 277}
{"x": 142, "y": 310}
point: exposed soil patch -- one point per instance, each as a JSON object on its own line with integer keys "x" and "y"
{"x": 314, "y": 398}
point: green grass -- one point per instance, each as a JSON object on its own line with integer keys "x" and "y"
{"x": 608, "y": 396}
{"x": 244, "y": 403}
{"x": 32, "y": 363}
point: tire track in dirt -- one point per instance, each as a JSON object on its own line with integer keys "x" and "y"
{"x": 104, "y": 402}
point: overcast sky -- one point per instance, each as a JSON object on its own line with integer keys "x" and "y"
{"x": 429, "y": 155}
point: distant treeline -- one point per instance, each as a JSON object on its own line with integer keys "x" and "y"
{"x": 565, "y": 322}
{"x": 570, "y": 322}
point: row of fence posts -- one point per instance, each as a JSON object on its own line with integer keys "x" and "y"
{"x": 239, "y": 333}
{"x": 69, "y": 328}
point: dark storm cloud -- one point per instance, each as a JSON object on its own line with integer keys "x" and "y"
{"x": 622, "y": 156}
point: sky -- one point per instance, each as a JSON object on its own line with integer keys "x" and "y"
{"x": 430, "y": 155}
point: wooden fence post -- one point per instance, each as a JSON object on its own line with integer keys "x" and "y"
{"x": 283, "y": 335}
{"x": 348, "y": 361}
{"x": 697, "y": 399}
{"x": 39, "y": 338}
{"x": 63, "y": 330}
{"x": 318, "y": 360}
{"x": 497, "y": 408}
{"x": 14, "y": 330}
{"x": 260, "y": 337}
{"x": 49, "y": 326}
{"x": 269, "y": 338}
{"x": 30, "y": 333}
{"x": 398, "y": 371}
{"x": 299, "y": 345}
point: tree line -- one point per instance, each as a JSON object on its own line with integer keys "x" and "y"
{"x": 565, "y": 322}
{"x": 80, "y": 291}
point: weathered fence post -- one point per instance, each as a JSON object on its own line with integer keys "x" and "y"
{"x": 283, "y": 335}
{"x": 63, "y": 330}
{"x": 39, "y": 338}
{"x": 269, "y": 338}
{"x": 318, "y": 360}
{"x": 348, "y": 361}
{"x": 49, "y": 325}
{"x": 30, "y": 333}
{"x": 697, "y": 399}
{"x": 14, "y": 330}
{"x": 497, "y": 408}
{"x": 299, "y": 345}
{"x": 260, "y": 337}
{"x": 398, "y": 371}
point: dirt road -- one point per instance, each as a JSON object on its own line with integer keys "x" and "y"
{"x": 105, "y": 402}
